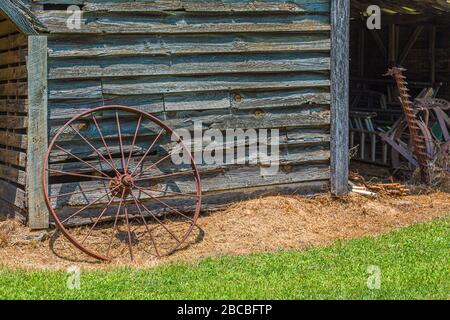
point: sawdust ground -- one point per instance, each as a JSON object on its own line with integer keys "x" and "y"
{"x": 260, "y": 225}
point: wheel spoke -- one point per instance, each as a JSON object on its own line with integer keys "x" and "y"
{"x": 147, "y": 152}
{"x": 104, "y": 143}
{"x": 129, "y": 234}
{"x": 155, "y": 164}
{"x": 146, "y": 225}
{"x": 157, "y": 220}
{"x": 94, "y": 148}
{"x": 165, "y": 204}
{"x": 65, "y": 173}
{"x": 115, "y": 224}
{"x": 132, "y": 145}
{"x": 81, "y": 160}
{"x": 76, "y": 192}
{"x": 172, "y": 192}
{"x": 98, "y": 219}
{"x": 88, "y": 205}
{"x": 120, "y": 140}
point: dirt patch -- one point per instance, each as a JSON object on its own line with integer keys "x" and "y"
{"x": 266, "y": 224}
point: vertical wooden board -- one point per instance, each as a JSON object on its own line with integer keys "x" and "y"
{"x": 340, "y": 33}
{"x": 38, "y": 217}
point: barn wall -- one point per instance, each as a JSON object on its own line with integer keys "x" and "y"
{"x": 13, "y": 118}
{"x": 229, "y": 64}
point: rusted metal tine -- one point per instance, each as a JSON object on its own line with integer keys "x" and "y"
{"x": 165, "y": 204}
{"x": 81, "y": 160}
{"x": 104, "y": 143}
{"x": 146, "y": 226}
{"x": 88, "y": 206}
{"x": 94, "y": 148}
{"x": 132, "y": 145}
{"x": 147, "y": 152}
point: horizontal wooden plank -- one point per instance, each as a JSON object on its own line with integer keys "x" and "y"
{"x": 295, "y": 6}
{"x": 13, "y": 42}
{"x": 215, "y": 200}
{"x": 232, "y": 178}
{"x": 12, "y": 194}
{"x": 13, "y": 73}
{"x": 187, "y": 65}
{"x": 304, "y": 117}
{"x": 280, "y": 98}
{"x": 12, "y": 105}
{"x": 296, "y": 137}
{"x": 150, "y": 45}
{"x": 12, "y": 174}
{"x": 12, "y": 139}
{"x": 13, "y": 157}
{"x": 66, "y": 109}
{"x": 14, "y": 89}
{"x": 59, "y": 89}
{"x": 183, "y": 23}
{"x": 11, "y": 57}
{"x": 197, "y": 101}
{"x": 13, "y": 122}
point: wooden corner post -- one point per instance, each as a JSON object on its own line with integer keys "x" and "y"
{"x": 38, "y": 216}
{"x": 340, "y": 34}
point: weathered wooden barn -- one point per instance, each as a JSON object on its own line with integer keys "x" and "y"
{"x": 228, "y": 63}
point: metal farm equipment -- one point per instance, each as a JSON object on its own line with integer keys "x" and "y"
{"x": 422, "y": 133}
{"x": 109, "y": 170}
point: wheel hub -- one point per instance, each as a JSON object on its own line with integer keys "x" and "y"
{"x": 121, "y": 185}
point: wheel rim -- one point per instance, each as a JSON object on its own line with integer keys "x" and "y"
{"x": 121, "y": 184}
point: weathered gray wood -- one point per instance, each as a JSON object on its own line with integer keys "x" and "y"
{"x": 21, "y": 16}
{"x": 13, "y": 157}
{"x": 14, "y": 105}
{"x": 12, "y": 139}
{"x": 74, "y": 46}
{"x": 12, "y": 194}
{"x": 38, "y": 217}
{"x": 192, "y": 65}
{"x": 340, "y": 21}
{"x": 155, "y": 85}
{"x": 183, "y": 23}
{"x": 12, "y": 174}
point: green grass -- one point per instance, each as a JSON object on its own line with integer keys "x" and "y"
{"x": 414, "y": 264}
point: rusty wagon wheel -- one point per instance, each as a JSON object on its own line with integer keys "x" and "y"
{"x": 113, "y": 188}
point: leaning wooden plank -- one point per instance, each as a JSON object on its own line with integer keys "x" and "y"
{"x": 20, "y": 105}
{"x": 13, "y": 122}
{"x": 12, "y": 174}
{"x": 187, "y": 65}
{"x": 340, "y": 95}
{"x": 150, "y": 45}
{"x": 156, "y": 85}
{"x": 183, "y": 23}
{"x": 296, "y": 6}
{"x": 12, "y": 194}
{"x": 13, "y": 73}
{"x": 11, "y": 139}
{"x": 37, "y": 130}
{"x": 22, "y": 17}
{"x": 13, "y": 157}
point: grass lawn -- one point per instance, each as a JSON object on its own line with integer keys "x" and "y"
{"x": 414, "y": 264}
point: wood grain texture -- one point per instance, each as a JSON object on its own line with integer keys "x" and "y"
{"x": 340, "y": 21}
{"x": 38, "y": 217}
